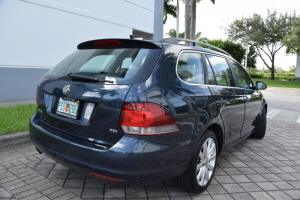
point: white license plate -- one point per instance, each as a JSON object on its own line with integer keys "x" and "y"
{"x": 67, "y": 108}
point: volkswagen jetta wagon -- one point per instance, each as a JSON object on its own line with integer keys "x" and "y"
{"x": 133, "y": 111}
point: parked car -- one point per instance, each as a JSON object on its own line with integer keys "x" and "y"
{"x": 134, "y": 111}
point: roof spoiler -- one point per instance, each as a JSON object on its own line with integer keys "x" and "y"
{"x": 117, "y": 43}
{"x": 194, "y": 42}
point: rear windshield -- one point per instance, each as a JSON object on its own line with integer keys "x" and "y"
{"x": 122, "y": 66}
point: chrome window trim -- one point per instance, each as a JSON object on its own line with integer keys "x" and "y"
{"x": 230, "y": 87}
{"x": 188, "y": 51}
{"x": 229, "y": 66}
{"x": 205, "y": 53}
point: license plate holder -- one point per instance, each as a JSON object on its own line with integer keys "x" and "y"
{"x": 67, "y": 107}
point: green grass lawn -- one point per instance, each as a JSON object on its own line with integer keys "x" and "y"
{"x": 15, "y": 119}
{"x": 279, "y": 83}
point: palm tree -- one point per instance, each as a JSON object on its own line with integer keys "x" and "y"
{"x": 172, "y": 33}
{"x": 190, "y": 20}
{"x": 169, "y": 9}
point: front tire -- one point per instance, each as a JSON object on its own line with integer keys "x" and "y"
{"x": 261, "y": 124}
{"x": 203, "y": 164}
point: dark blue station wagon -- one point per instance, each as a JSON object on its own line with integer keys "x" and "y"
{"x": 132, "y": 111}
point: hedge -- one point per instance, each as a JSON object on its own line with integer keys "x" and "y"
{"x": 278, "y": 76}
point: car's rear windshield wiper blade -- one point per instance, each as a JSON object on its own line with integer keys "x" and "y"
{"x": 86, "y": 78}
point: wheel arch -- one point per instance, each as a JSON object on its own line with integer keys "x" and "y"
{"x": 266, "y": 107}
{"x": 264, "y": 104}
{"x": 217, "y": 129}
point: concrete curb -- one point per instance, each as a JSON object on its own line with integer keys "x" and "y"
{"x": 14, "y": 139}
{"x": 15, "y": 102}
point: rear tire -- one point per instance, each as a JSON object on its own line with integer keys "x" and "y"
{"x": 203, "y": 164}
{"x": 261, "y": 124}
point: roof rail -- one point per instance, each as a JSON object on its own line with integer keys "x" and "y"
{"x": 176, "y": 40}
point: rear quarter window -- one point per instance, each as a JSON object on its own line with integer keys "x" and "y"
{"x": 190, "y": 68}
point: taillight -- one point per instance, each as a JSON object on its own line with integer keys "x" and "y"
{"x": 146, "y": 119}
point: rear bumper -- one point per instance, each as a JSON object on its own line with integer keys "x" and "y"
{"x": 132, "y": 159}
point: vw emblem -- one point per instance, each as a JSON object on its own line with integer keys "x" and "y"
{"x": 66, "y": 88}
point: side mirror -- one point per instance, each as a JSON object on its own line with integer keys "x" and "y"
{"x": 261, "y": 85}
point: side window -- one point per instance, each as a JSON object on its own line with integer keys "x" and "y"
{"x": 242, "y": 76}
{"x": 221, "y": 70}
{"x": 210, "y": 73}
{"x": 190, "y": 68}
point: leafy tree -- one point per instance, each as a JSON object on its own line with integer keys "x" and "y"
{"x": 251, "y": 58}
{"x": 279, "y": 70}
{"x": 292, "y": 69}
{"x": 235, "y": 50}
{"x": 264, "y": 34}
{"x": 266, "y": 70}
{"x": 169, "y": 9}
{"x": 292, "y": 41}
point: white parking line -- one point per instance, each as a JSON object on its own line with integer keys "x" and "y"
{"x": 298, "y": 120}
{"x": 273, "y": 113}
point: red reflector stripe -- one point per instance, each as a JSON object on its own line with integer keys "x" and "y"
{"x": 106, "y": 42}
{"x": 114, "y": 179}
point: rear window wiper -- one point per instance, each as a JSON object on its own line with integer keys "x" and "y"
{"x": 86, "y": 78}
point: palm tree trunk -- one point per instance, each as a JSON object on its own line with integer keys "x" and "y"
{"x": 188, "y": 18}
{"x": 193, "y": 24}
{"x": 177, "y": 19}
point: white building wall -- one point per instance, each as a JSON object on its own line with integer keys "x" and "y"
{"x": 298, "y": 68}
{"x": 40, "y": 33}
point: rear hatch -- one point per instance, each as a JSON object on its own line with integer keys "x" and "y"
{"x": 83, "y": 95}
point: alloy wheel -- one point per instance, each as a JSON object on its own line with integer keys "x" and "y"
{"x": 206, "y": 162}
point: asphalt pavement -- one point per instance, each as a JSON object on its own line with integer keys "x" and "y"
{"x": 283, "y": 103}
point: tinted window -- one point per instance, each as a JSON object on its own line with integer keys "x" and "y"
{"x": 190, "y": 68}
{"x": 221, "y": 70}
{"x": 210, "y": 73}
{"x": 62, "y": 66}
{"x": 125, "y": 66}
{"x": 242, "y": 76}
